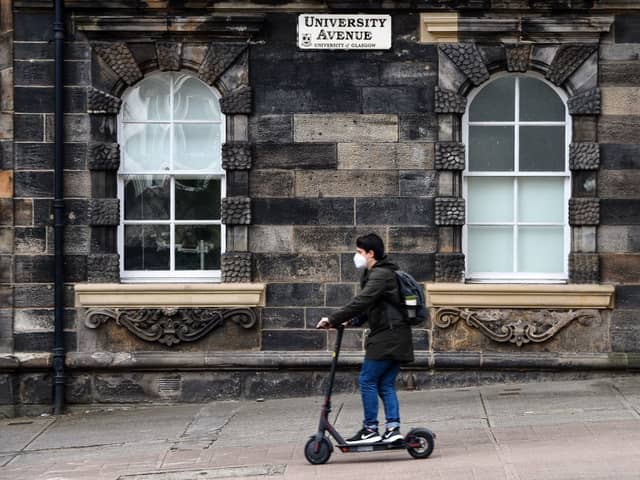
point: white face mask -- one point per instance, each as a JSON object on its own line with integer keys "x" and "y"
{"x": 359, "y": 261}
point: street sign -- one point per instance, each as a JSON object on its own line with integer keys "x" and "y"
{"x": 344, "y": 32}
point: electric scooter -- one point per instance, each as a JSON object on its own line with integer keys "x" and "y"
{"x": 419, "y": 442}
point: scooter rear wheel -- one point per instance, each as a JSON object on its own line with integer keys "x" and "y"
{"x": 323, "y": 451}
{"x": 424, "y": 440}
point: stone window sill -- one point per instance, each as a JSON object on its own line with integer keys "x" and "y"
{"x": 519, "y": 296}
{"x": 169, "y": 295}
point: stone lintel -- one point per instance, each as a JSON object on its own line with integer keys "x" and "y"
{"x": 140, "y": 295}
{"x": 471, "y": 295}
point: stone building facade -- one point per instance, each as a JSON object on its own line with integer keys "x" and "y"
{"x": 303, "y": 151}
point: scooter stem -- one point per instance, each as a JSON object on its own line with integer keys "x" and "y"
{"x": 334, "y": 363}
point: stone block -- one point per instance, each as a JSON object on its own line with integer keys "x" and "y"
{"x": 627, "y": 28}
{"x": 103, "y": 240}
{"x": 237, "y": 183}
{"x": 584, "y": 211}
{"x": 397, "y": 99}
{"x": 78, "y": 127}
{"x": 76, "y": 212}
{"x": 294, "y": 340}
{"x": 625, "y": 331}
{"x": 42, "y": 341}
{"x": 310, "y": 99}
{"x": 418, "y": 184}
{"x": 236, "y": 210}
{"x": 394, "y": 211}
{"x": 619, "y": 156}
{"x": 620, "y": 267}
{"x": 412, "y": 239}
{"x": 296, "y": 267}
{"x": 295, "y": 156}
{"x": 342, "y": 183}
{"x": 620, "y": 100}
{"x": 77, "y": 184}
{"x": 619, "y": 239}
{"x": 236, "y": 156}
{"x": 6, "y": 269}
{"x": 620, "y": 73}
{"x": 273, "y": 318}
{"x": 271, "y": 183}
{"x": 619, "y": 183}
{"x": 270, "y": 239}
{"x": 619, "y": 212}
{"x": 7, "y": 184}
{"x": 6, "y": 211}
{"x": 414, "y": 127}
{"x": 40, "y": 320}
{"x": 7, "y": 127}
{"x": 42, "y": 100}
{"x": 271, "y": 128}
{"x": 236, "y": 267}
{"x": 277, "y": 384}
{"x": 33, "y": 26}
{"x": 6, "y": 297}
{"x": 586, "y": 102}
{"x": 6, "y": 155}
{"x": 618, "y": 128}
{"x": 584, "y": 156}
{"x": 6, "y": 87}
{"x": 352, "y": 340}
{"x": 30, "y": 240}
{"x": 103, "y": 268}
{"x": 6, "y": 240}
{"x": 584, "y": 183}
{"x": 210, "y": 386}
{"x": 302, "y": 211}
{"x": 28, "y": 128}
{"x": 34, "y": 184}
{"x": 339, "y": 294}
{"x": 627, "y": 297}
{"x": 385, "y": 156}
{"x": 35, "y": 388}
{"x": 103, "y": 211}
{"x": 104, "y": 156}
{"x": 583, "y": 239}
{"x": 447, "y": 101}
{"x": 449, "y": 267}
{"x": 584, "y": 268}
{"x": 122, "y": 387}
{"x": 416, "y": 74}
{"x": 326, "y": 239}
{"x": 294, "y": 294}
{"x": 345, "y": 128}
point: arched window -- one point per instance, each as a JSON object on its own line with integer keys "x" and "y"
{"x": 516, "y": 182}
{"x": 171, "y": 180}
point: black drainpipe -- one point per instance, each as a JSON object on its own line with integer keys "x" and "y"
{"x": 58, "y": 215}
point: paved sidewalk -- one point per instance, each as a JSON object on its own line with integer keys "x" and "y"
{"x": 554, "y": 430}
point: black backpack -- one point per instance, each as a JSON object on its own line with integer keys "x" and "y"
{"x": 410, "y": 289}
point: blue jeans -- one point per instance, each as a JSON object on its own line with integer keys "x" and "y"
{"x": 377, "y": 378}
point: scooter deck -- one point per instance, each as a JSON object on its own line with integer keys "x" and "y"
{"x": 371, "y": 447}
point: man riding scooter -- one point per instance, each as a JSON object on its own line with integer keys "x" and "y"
{"x": 389, "y": 343}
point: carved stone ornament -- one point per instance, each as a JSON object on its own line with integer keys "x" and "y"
{"x": 449, "y": 156}
{"x": 447, "y": 101}
{"x": 218, "y": 58}
{"x": 449, "y": 267}
{"x": 236, "y": 156}
{"x": 236, "y": 267}
{"x": 584, "y": 156}
{"x": 517, "y": 57}
{"x": 102, "y": 102}
{"x": 104, "y": 212}
{"x": 450, "y": 211}
{"x": 584, "y": 268}
{"x": 169, "y": 55}
{"x": 170, "y": 326}
{"x": 104, "y": 156}
{"x": 587, "y": 102}
{"x": 236, "y": 211}
{"x": 567, "y": 60}
{"x": 118, "y": 56}
{"x": 238, "y": 101}
{"x": 467, "y": 58}
{"x": 584, "y": 211}
{"x": 516, "y": 326}
{"x": 103, "y": 268}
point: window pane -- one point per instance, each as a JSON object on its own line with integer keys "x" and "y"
{"x": 197, "y": 198}
{"x": 146, "y": 247}
{"x": 495, "y": 102}
{"x": 148, "y": 100}
{"x": 539, "y": 102}
{"x": 146, "y": 147}
{"x": 542, "y": 149}
{"x": 147, "y": 198}
{"x": 541, "y": 199}
{"x": 197, "y": 147}
{"x": 490, "y": 249}
{"x": 540, "y": 249}
{"x": 490, "y": 199}
{"x": 193, "y": 100}
{"x": 490, "y": 149}
{"x": 197, "y": 247}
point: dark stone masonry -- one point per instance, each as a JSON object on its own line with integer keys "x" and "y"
{"x": 313, "y": 148}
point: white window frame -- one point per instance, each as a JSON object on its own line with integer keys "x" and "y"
{"x": 172, "y": 275}
{"x": 518, "y": 277}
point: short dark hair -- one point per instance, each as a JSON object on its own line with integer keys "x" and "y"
{"x": 369, "y": 242}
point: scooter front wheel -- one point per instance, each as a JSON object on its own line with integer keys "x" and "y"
{"x": 318, "y": 453}
{"x": 420, "y": 443}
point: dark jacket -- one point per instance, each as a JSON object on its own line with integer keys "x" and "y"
{"x": 390, "y": 334}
